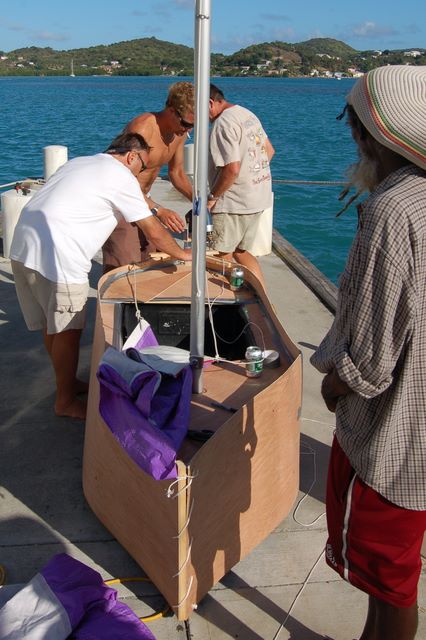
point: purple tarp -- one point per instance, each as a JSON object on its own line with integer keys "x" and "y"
{"x": 145, "y": 400}
{"x": 67, "y": 599}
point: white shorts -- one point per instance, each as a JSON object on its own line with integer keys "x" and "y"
{"x": 235, "y": 231}
{"x": 49, "y": 305}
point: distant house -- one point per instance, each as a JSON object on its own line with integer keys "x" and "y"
{"x": 325, "y": 55}
{"x": 263, "y": 65}
{"x": 354, "y": 72}
{"x": 413, "y": 53}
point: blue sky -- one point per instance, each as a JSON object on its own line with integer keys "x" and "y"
{"x": 365, "y": 24}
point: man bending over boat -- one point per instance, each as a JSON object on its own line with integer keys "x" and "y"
{"x": 375, "y": 359}
{"x": 59, "y": 231}
{"x": 166, "y": 132}
{"x": 240, "y": 179}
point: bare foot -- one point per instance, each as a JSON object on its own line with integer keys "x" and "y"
{"x": 76, "y": 409}
{"x": 81, "y": 386}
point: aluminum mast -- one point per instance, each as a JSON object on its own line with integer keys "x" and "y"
{"x": 199, "y": 211}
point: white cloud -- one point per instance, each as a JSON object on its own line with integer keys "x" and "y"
{"x": 48, "y": 36}
{"x": 184, "y": 4}
{"x": 371, "y": 29}
{"x": 274, "y": 17}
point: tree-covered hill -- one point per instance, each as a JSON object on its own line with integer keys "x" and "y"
{"x": 326, "y": 46}
{"x": 150, "y": 56}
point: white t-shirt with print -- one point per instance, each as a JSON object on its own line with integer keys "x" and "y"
{"x": 237, "y": 135}
{"x": 68, "y": 220}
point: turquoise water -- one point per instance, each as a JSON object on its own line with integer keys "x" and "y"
{"x": 299, "y": 116}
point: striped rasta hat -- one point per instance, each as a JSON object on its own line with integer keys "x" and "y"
{"x": 391, "y": 103}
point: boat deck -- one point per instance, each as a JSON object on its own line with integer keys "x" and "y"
{"x": 43, "y": 511}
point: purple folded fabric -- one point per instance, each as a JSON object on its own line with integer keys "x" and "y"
{"x": 68, "y": 600}
{"x": 147, "y": 411}
{"x": 118, "y": 622}
{"x": 76, "y": 586}
{"x": 141, "y": 336}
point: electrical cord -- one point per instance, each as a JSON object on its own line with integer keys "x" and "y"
{"x": 150, "y": 618}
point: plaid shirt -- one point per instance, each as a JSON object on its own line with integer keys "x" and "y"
{"x": 378, "y": 341}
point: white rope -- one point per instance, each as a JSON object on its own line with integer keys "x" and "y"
{"x": 188, "y": 555}
{"x": 24, "y": 180}
{"x": 170, "y": 493}
{"x": 185, "y": 526}
{"x": 135, "y": 298}
{"x": 174, "y": 606}
{"x": 318, "y": 182}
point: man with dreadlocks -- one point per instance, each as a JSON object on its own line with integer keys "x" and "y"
{"x": 374, "y": 358}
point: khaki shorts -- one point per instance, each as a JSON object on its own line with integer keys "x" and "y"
{"x": 49, "y": 305}
{"x": 235, "y": 231}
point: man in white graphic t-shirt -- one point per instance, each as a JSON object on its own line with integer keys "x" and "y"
{"x": 239, "y": 178}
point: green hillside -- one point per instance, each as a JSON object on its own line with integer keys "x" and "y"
{"x": 326, "y": 45}
{"x": 149, "y": 56}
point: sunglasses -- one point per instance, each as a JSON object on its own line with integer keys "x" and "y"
{"x": 143, "y": 165}
{"x": 125, "y": 150}
{"x": 184, "y": 123}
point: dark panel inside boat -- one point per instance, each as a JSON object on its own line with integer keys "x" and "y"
{"x": 171, "y": 323}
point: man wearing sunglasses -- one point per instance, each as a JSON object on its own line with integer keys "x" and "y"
{"x": 166, "y": 132}
{"x": 59, "y": 231}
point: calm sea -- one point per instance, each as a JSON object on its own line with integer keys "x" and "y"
{"x": 299, "y": 116}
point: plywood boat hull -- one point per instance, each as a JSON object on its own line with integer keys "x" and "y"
{"x": 234, "y": 489}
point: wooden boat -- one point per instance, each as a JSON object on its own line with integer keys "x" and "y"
{"x": 236, "y": 487}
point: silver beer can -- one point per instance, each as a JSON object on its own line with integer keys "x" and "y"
{"x": 237, "y": 278}
{"x": 254, "y": 362}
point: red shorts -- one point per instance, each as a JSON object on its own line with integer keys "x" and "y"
{"x": 373, "y": 544}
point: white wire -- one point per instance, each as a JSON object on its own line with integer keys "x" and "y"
{"x": 210, "y": 306}
{"x": 293, "y": 604}
{"x": 310, "y": 452}
{"x": 170, "y": 492}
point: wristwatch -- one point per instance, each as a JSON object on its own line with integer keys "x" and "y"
{"x": 211, "y": 196}
{"x": 154, "y": 211}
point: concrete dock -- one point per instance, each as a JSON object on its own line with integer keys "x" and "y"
{"x": 282, "y": 590}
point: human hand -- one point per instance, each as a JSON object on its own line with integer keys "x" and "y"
{"x": 211, "y": 204}
{"x": 188, "y": 255}
{"x": 333, "y": 388}
{"x": 171, "y": 220}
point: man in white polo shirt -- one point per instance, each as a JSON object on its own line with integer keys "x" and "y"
{"x": 59, "y": 232}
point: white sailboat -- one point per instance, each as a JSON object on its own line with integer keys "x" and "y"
{"x": 72, "y": 74}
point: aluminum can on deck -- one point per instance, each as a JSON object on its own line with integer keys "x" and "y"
{"x": 237, "y": 278}
{"x": 254, "y": 362}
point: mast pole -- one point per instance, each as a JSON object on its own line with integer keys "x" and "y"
{"x": 199, "y": 210}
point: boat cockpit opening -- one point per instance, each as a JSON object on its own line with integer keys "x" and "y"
{"x": 171, "y": 324}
